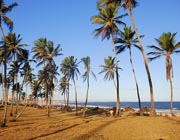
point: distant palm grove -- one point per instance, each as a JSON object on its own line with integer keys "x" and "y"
{"x": 16, "y": 62}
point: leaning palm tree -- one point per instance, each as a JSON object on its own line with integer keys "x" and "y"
{"x": 129, "y": 5}
{"x": 3, "y": 18}
{"x": 166, "y": 48}
{"x": 86, "y": 76}
{"x": 127, "y": 40}
{"x": 109, "y": 22}
{"x": 69, "y": 67}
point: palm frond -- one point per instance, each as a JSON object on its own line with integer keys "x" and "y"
{"x": 120, "y": 49}
{"x": 137, "y": 46}
{"x": 155, "y": 48}
{"x": 153, "y": 58}
{"x": 8, "y": 22}
{"x": 178, "y": 51}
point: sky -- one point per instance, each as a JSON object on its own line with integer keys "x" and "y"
{"x": 68, "y": 23}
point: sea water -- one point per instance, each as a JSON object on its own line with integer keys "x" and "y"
{"x": 161, "y": 107}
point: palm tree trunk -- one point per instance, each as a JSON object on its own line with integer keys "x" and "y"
{"x": 118, "y": 112}
{"x": 68, "y": 95}
{"x": 84, "y": 111}
{"x": 47, "y": 101}
{"x": 65, "y": 99}
{"x": 152, "y": 112}
{"x": 3, "y": 92}
{"x": 6, "y": 96}
{"x": 171, "y": 100}
{"x": 3, "y": 87}
{"x": 12, "y": 102}
{"x": 137, "y": 87}
{"x": 75, "y": 96}
{"x": 16, "y": 111}
{"x": 2, "y": 32}
{"x": 15, "y": 119}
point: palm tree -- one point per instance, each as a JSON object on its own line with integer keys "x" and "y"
{"x": 69, "y": 67}
{"x": 109, "y": 21}
{"x": 64, "y": 89}
{"x": 127, "y": 40}
{"x": 109, "y": 69}
{"x": 129, "y": 5}
{"x": 45, "y": 53}
{"x": 86, "y": 61}
{"x": 35, "y": 87}
{"x": 166, "y": 48}
{"x": 13, "y": 73}
{"x": 3, "y": 18}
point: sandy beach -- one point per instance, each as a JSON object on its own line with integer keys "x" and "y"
{"x": 35, "y": 125}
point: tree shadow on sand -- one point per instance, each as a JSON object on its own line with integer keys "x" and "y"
{"x": 94, "y": 134}
{"x": 57, "y": 131}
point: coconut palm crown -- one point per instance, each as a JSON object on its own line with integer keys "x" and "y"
{"x": 4, "y": 9}
{"x": 108, "y": 20}
{"x": 166, "y": 47}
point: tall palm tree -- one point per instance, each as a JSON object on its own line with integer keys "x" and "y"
{"x": 127, "y": 40}
{"x": 167, "y": 47}
{"x": 129, "y": 5}
{"x": 109, "y": 22}
{"x": 69, "y": 67}
{"x": 45, "y": 53}
{"x": 86, "y": 61}
{"x": 3, "y": 18}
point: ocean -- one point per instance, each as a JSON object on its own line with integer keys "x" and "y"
{"x": 161, "y": 107}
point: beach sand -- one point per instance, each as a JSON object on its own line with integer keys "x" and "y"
{"x": 35, "y": 125}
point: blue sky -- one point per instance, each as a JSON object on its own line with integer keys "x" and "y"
{"x": 68, "y": 23}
